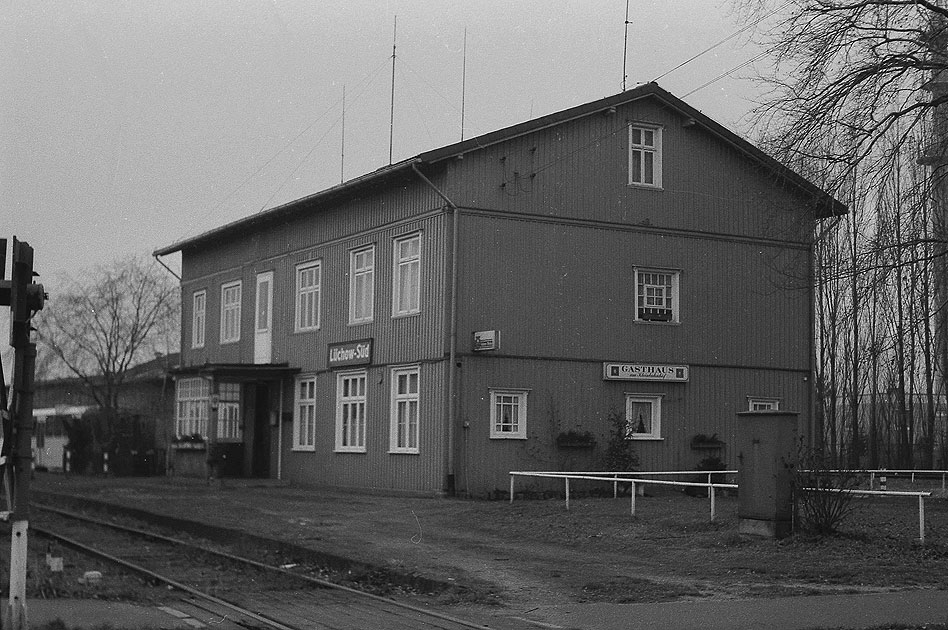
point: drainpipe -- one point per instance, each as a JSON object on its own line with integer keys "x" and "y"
{"x": 280, "y": 434}
{"x": 453, "y": 326}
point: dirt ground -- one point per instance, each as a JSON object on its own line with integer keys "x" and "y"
{"x": 534, "y": 553}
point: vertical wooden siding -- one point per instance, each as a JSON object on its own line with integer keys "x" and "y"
{"x": 580, "y": 170}
{"x": 566, "y": 396}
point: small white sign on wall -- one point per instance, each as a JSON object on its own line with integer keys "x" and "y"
{"x": 486, "y": 340}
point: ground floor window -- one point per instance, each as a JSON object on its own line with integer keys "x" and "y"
{"x": 350, "y": 412}
{"x": 643, "y": 415}
{"x": 304, "y": 415}
{"x": 404, "y": 410}
{"x": 229, "y": 426}
{"x": 508, "y": 414}
{"x": 756, "y": 403}
{"x": 192, "y": 396}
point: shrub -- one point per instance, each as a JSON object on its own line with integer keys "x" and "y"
{"x": 821, "y": 498}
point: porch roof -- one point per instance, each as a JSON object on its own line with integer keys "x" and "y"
{"x": 237, "y": 372}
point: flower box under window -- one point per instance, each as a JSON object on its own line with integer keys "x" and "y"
{"x": 655, "y": 314}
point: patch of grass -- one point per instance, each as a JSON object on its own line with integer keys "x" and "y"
{"x": 633, "y": 590}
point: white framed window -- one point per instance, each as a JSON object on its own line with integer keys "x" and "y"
{"x": 643, "y": 416}
{"x": 230, "y": 312}
{"x": 508, "y": 414}
{"x": 308, "y": 295}
{"x": 406, "y": 276}
{"x": 362, "y": 285}
{"x": 228, "y": 412}
{"x": 656, "y": 295}
{"x": 756, "y": 403}
{"x": 198, "y": 318}
{"x": 192, "y": 397}
{"x": 350, "y": 412}
{"x": 304, "y": 414}
{"x": 645, "y": 155}
{"x": 404, "y": 410}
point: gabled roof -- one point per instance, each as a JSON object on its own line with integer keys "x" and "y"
{"x": 824, "y": 203}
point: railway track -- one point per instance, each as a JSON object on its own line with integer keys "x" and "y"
{"x": 245, "y": 592}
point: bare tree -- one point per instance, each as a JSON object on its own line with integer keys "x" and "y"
{"x": 109, "y": 320}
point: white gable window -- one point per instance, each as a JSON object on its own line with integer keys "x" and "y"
{"x": 656, "y": 295}
{"x": 508, "y": 414}
{"x": 230, "y": 312}
{"x": 198, "y": 316}
{"x": 645, "y": 156}
{"x": 406, "y": 276}
{"x": 361, "y": 285}
{"x": 643, "y": 416}
{"x": 308, "y": 281}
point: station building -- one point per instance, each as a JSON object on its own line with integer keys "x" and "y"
{"x": 496, "y": 304}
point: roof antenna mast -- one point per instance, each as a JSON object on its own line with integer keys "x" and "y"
{"x": 391, "y": 126}
{"x": 625, "y": 46}
{"x": 463, "y": 81}
{"x": 342, "y": 160}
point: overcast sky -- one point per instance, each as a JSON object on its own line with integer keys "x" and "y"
{"x": 127, "y": 126}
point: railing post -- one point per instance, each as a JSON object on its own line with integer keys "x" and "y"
{"x": 633, "y": 499}
{"x": 615, "y": 487}
{"x": 567, "y": 493}
{"x": 711, "y": 492}
{"x": 943, "y": 480}
{"x": 512, "y": 477}
{"x": 921, "y": 519}
{"x": 872, "y": 479}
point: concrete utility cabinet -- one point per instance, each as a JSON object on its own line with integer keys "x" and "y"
{"x": 766, "y": 457}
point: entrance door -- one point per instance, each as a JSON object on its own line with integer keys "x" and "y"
{"x": 260, "y": 450}
{"x": 263, "y": 329}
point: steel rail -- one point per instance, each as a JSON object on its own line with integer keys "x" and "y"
{"x": 75, "y": 544}
{"x": 249, "y": 561}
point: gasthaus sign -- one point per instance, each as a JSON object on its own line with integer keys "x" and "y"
{"x": 358, "y": 352}
{"x": 644, "y": 372}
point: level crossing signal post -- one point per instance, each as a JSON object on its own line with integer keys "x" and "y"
{"x": 25, "y": 298}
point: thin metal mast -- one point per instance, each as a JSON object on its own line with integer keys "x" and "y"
{"x": 391, "y": 127}
{"x": 625, "y": 46}
{"x": 342, "y": 160}
{"x": 463, "y": 81}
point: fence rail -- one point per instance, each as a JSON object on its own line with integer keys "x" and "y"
{"x": 642, "y": 478}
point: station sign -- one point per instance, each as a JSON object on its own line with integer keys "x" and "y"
{"x": 644, "y": 372}
{"x": 358, "y": 352}
{"x": 486, "y": 340}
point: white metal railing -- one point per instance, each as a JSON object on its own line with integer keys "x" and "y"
{"x": 889, "y": 493}
{"x": 632, "y": 478}
{"x": 885, "y": 472}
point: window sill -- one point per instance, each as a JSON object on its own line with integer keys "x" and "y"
{"x": 304, "y": 449}
{"x": 645, "y": 186}
{"x": 229, "y": 342}
{"x": 404, "y": 315}
{"x": 299, "y": 331}
{"x": 348, "y": 450}
{"x": 646, "y": 438}
{"x": 361, "y": 323}
{"x": 508, "y": 437}
{"x": 404, "y": 452}
{"x": 656, "y": 322}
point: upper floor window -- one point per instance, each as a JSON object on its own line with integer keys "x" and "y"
{"x": 198, "y": 316}
{"x": 406, "y": 277}
{"x": 361, "y": 285}
{"x": 404, "y": 410}
{"x": 508, "y": 413}
{"x": 230, "y": 312}
{"x": 645, "y": 156}
{"x": 656, "y": 295}
{"x": 643, "y": 415}
{"x": 308, "y": 282}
